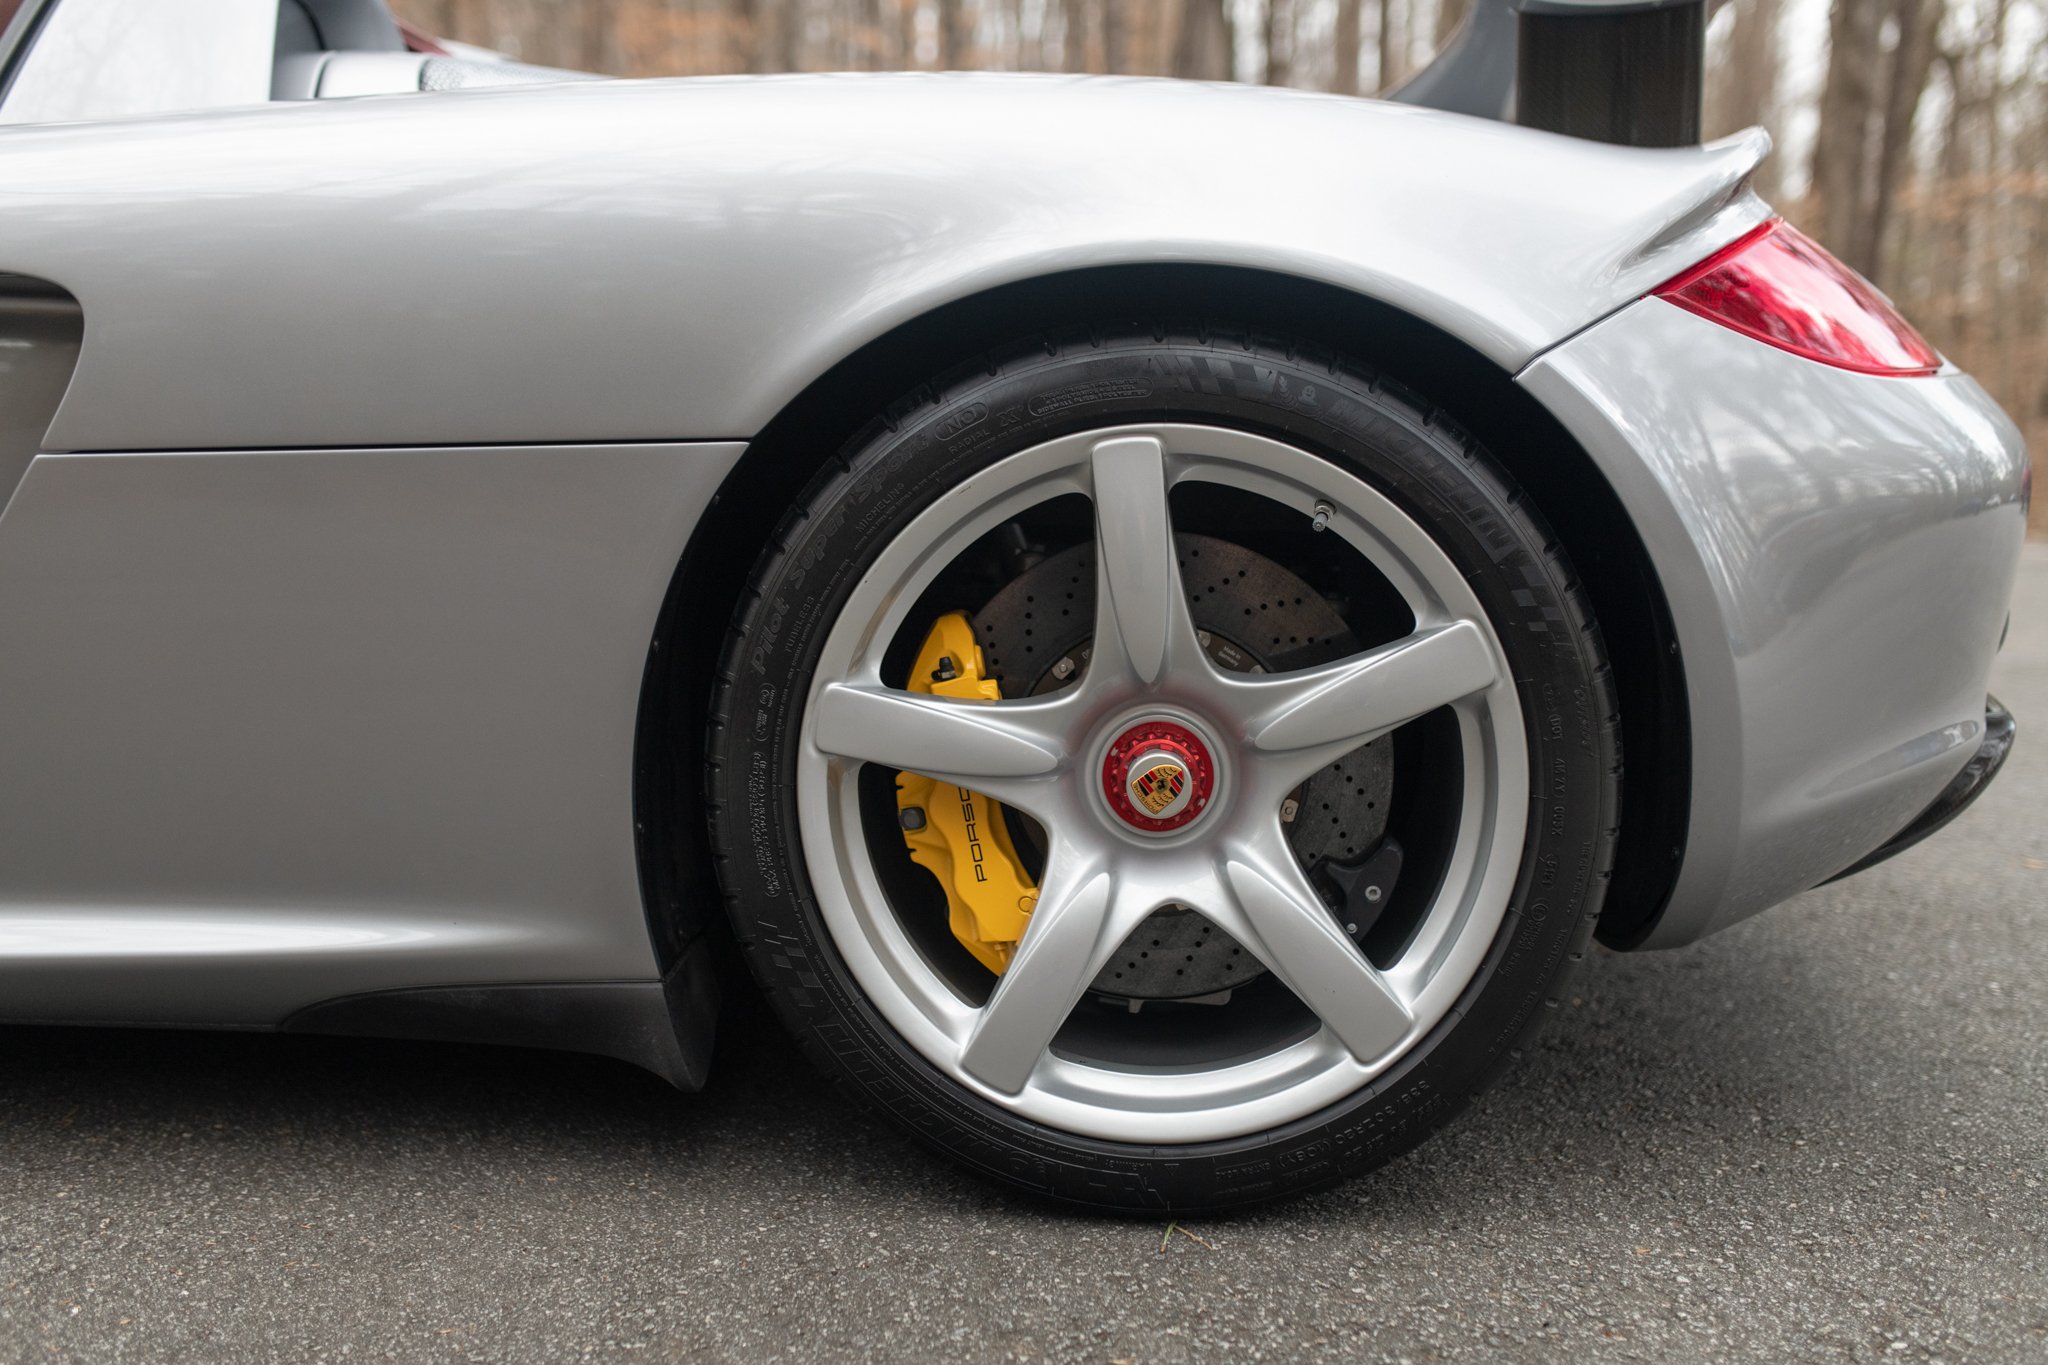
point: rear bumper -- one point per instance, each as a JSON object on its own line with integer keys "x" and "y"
{"x": 1999, "y": 731}
{"x": 1838, "y": 553}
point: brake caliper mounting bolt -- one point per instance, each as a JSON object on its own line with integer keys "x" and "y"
{"x": 1372, "y": 893}
{"x": 911, "y": 818}
{"x": 1321, "y": 519}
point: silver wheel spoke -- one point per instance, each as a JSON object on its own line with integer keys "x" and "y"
{"x": 1074, "y": 930}
{"x": 1342, "y": 705}
{"x": 984, "y": 745}
{"x": 1286, "y": 924}
{"x": 1140, "y": 613}
{"x": 1097, "y": 776}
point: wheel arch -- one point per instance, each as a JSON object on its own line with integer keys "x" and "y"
{"x": 678, "y": 877}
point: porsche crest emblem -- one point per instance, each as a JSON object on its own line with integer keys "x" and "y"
{"x": 1158, "y": 786}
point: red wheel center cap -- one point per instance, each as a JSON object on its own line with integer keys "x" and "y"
{"x": 1158, "y": 776}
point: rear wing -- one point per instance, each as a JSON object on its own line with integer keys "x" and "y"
{"x": 1625, "y": 71}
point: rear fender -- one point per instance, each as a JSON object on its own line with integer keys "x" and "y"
{"x": 674, "y": 260}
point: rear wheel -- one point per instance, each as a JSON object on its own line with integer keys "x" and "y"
{"x": 1164, "y": 774}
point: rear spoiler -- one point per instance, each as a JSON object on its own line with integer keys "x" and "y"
{"x": 1626, "y": 71}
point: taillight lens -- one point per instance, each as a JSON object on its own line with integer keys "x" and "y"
{"x": 1778, "y": 285}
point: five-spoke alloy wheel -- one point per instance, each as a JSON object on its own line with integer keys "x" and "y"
{"x": 1177, "y": 762}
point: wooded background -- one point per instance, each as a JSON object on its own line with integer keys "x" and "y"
{"x": 1912, "y": 135}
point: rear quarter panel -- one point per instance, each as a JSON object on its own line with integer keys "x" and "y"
{"x": 1838, "y": 551}
{"x": 668, "y": 260}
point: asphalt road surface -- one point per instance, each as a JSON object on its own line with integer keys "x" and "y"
{"x": 1820, "y": 1136}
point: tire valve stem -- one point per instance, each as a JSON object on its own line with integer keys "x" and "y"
{"x": 1321, "y": 520}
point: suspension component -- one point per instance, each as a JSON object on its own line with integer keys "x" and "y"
{"x": 1357, "y": 890}
{"x": 959, "y": 836}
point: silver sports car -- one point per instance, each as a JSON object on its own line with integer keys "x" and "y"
{"x": 1160, "y": 620}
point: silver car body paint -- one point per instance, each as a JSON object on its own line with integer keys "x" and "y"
{"x": 282, "y": 726}
{"x": 343, "y": 699}
{"x": 1837, "y": 550}
{"x": 700, "y": 250}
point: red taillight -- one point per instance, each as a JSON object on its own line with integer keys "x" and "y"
{"x": 1778, "y": 285}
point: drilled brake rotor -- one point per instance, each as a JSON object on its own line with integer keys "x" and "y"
{"x": 1254, "y": 617}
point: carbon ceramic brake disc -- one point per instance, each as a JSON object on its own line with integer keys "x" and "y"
{"x": 1254, "y": 617}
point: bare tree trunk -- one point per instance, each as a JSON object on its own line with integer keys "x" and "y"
{"x": 878, "y": 40}
{"x": 1203, "y": 52}
{"x": 1449, "y": 14}
{"x": 1866, "y": 119}
{"x": 1391, "y": 41}
{"x": 1742, "y": 87}
{"x": 1162, "y": 37}
{"x": 1116, "y": 38}
{"x": 956, "y": 36}
{"x": 1997, "y": 210}
{"x": 770, "y": 24}
{"x": 1912, "y": 62}
{"x": 906, "y": 20}
{"x": 432, "y": 16}
{"x": 1094, "y": 57}
{"x": 1953, "y": 164}
{"x": 1345, "y": 79}
{"x": 1073, "y": 37}
{"x": 1278, "y": 68}
{"x": 1841, "y": 149}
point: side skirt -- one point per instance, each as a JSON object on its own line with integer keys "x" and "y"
{"x": 666, "y": 1027}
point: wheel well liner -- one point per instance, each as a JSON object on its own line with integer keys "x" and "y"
{"x": 678, "y": 880}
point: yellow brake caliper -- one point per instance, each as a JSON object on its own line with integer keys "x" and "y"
{"x": 959, "y": 835}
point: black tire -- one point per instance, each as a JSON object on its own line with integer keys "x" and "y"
{"x": 1017, "y": 398}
